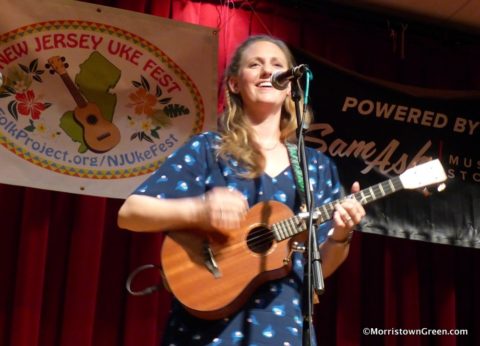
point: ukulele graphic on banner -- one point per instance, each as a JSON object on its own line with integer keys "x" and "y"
{"x": 99, "y": 134}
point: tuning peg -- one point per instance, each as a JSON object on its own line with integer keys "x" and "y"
{"x": 441, "y": 187}
{"x": 430, "y": 190}
{"x": 426, "y": 191}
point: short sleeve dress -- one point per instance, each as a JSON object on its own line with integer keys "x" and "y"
{"x": 273, "y": 314}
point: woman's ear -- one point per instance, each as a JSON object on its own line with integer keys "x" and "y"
{"x": 233, "y": 85}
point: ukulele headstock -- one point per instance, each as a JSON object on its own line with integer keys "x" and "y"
{"x": 57, "y": 64}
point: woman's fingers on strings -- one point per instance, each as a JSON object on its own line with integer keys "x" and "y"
{"x": 349, "y": 213}
{"x": 226, "y": 207}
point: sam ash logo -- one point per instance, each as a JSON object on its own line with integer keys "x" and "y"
{"x": 91, "y": 100}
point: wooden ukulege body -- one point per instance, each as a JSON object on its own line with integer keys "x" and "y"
{"x": 248, "y": 258}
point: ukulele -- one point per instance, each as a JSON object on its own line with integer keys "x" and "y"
{"x": 99, "y": 134}
{"x": 213, "y": 279}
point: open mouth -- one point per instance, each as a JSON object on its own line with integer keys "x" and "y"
{"x": 265, "y": 84}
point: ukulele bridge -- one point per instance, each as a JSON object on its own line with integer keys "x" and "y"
{"x": 210, "y": 262}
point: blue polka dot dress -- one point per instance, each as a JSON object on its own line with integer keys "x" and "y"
{"x": 273, "y": 314}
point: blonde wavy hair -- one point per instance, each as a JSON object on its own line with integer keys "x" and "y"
{"x": 237, "y": 134}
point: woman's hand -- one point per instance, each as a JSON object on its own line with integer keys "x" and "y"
{"x": 347, "y": 215}
{"x": 223, "y": 208}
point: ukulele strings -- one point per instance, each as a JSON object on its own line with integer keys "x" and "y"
{"x": 263, "y": 236}
{"x": 259, "y": 238}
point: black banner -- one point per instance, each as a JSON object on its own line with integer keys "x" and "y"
{"x": 375, "y": 130}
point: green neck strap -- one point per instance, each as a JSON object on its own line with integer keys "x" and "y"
{"x": 297, "y": 172}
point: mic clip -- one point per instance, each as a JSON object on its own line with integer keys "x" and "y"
{"x": 281, "y": 79}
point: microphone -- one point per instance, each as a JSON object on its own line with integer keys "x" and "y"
{"x": 281, "y": 79}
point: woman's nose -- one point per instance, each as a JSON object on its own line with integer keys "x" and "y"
{"x": 267, "y": 70}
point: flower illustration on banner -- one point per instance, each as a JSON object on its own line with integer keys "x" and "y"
{"x": 29, "y": 105}
{"x": 41, "y": 128}
{"x": 143, "y": 102}
{"x": 18, "y": 85}
{"x": 20, "y": 80}
{"x": 152, "y": 111}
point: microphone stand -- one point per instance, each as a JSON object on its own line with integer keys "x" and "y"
{"x": 313, "y": 275}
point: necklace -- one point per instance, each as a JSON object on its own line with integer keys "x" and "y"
{"x": 271, "y": 147}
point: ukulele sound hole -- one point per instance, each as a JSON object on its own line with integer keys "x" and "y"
{"x": 260, "y": 240}
{"x": 92, "y": 119}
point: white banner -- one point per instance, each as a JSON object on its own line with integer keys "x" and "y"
{"x": 94, "y": 98}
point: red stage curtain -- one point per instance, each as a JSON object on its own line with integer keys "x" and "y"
{"x": 64, "y": 262}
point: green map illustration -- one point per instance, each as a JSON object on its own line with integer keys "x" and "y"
{"x": 96, "y": 77}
